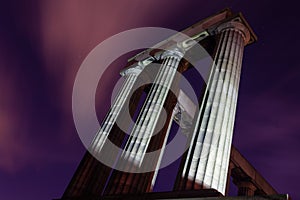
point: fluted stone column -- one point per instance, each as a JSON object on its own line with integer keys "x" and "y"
{"x": 138, "y": 142}
{"x": 207, "y": 160}
{"x": 130, "y": 75}
{"x": 91, "y": 175}
{"x": 142, "y": 132}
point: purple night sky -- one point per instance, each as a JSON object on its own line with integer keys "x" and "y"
{"x": 43, "y": 44}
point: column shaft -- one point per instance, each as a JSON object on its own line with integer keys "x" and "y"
{"x": 140, "y": 137}
{"x": 113, "y": 113}
{"x": 91, "y": 175}
{"x": 136, "y": 147}
{"x": 230, "y": 125}
{"x": 207, "y": 161}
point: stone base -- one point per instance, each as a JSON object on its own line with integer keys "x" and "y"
{"x": 205, "y": 194}
{"x": 195, "y": 195}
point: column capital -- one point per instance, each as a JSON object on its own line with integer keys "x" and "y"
{"x": 175, "y": 52}
{"x": 237, "y": 26}
{"x": 136, "y": 69}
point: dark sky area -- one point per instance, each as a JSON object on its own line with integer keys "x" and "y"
{"x": 43, "y": 43}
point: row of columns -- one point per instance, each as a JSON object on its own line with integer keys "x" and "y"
{"x": 140, "y": 137}
{"x": 206, "y": 162}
